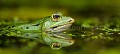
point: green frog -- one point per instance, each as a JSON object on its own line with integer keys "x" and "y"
{"x": 47, "y": 30}
{"x": 54, "y": 23}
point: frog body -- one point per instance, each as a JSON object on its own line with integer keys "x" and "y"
{"x": 45, "y": 30}
{"x": 55, "y": 23}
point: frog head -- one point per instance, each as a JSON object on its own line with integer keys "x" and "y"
{"x": 57, "y": 22}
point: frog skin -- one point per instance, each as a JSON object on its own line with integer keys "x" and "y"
{"x": 54, "y": 23}
{"x": 46, "y": 30}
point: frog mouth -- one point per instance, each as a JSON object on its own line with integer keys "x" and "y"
{"x": 59, "y": 28}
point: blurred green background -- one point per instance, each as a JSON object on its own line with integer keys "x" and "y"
{"x": 78, "y": 9}
{"x": 40, "y": 8}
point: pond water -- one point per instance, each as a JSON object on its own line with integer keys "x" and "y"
{"x": 81, "y": 38}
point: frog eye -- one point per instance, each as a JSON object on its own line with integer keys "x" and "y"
{"x": 56, "y": 17}
{"x": 56, "y": 46}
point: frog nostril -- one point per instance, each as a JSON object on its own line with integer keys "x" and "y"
{"x": 71, "y": 20}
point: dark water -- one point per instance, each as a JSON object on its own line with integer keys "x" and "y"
{"x": 90, "y": 36}
{"x": 88, "y": 40}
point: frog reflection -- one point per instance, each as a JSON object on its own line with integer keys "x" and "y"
{"x": 55, "y": 40}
